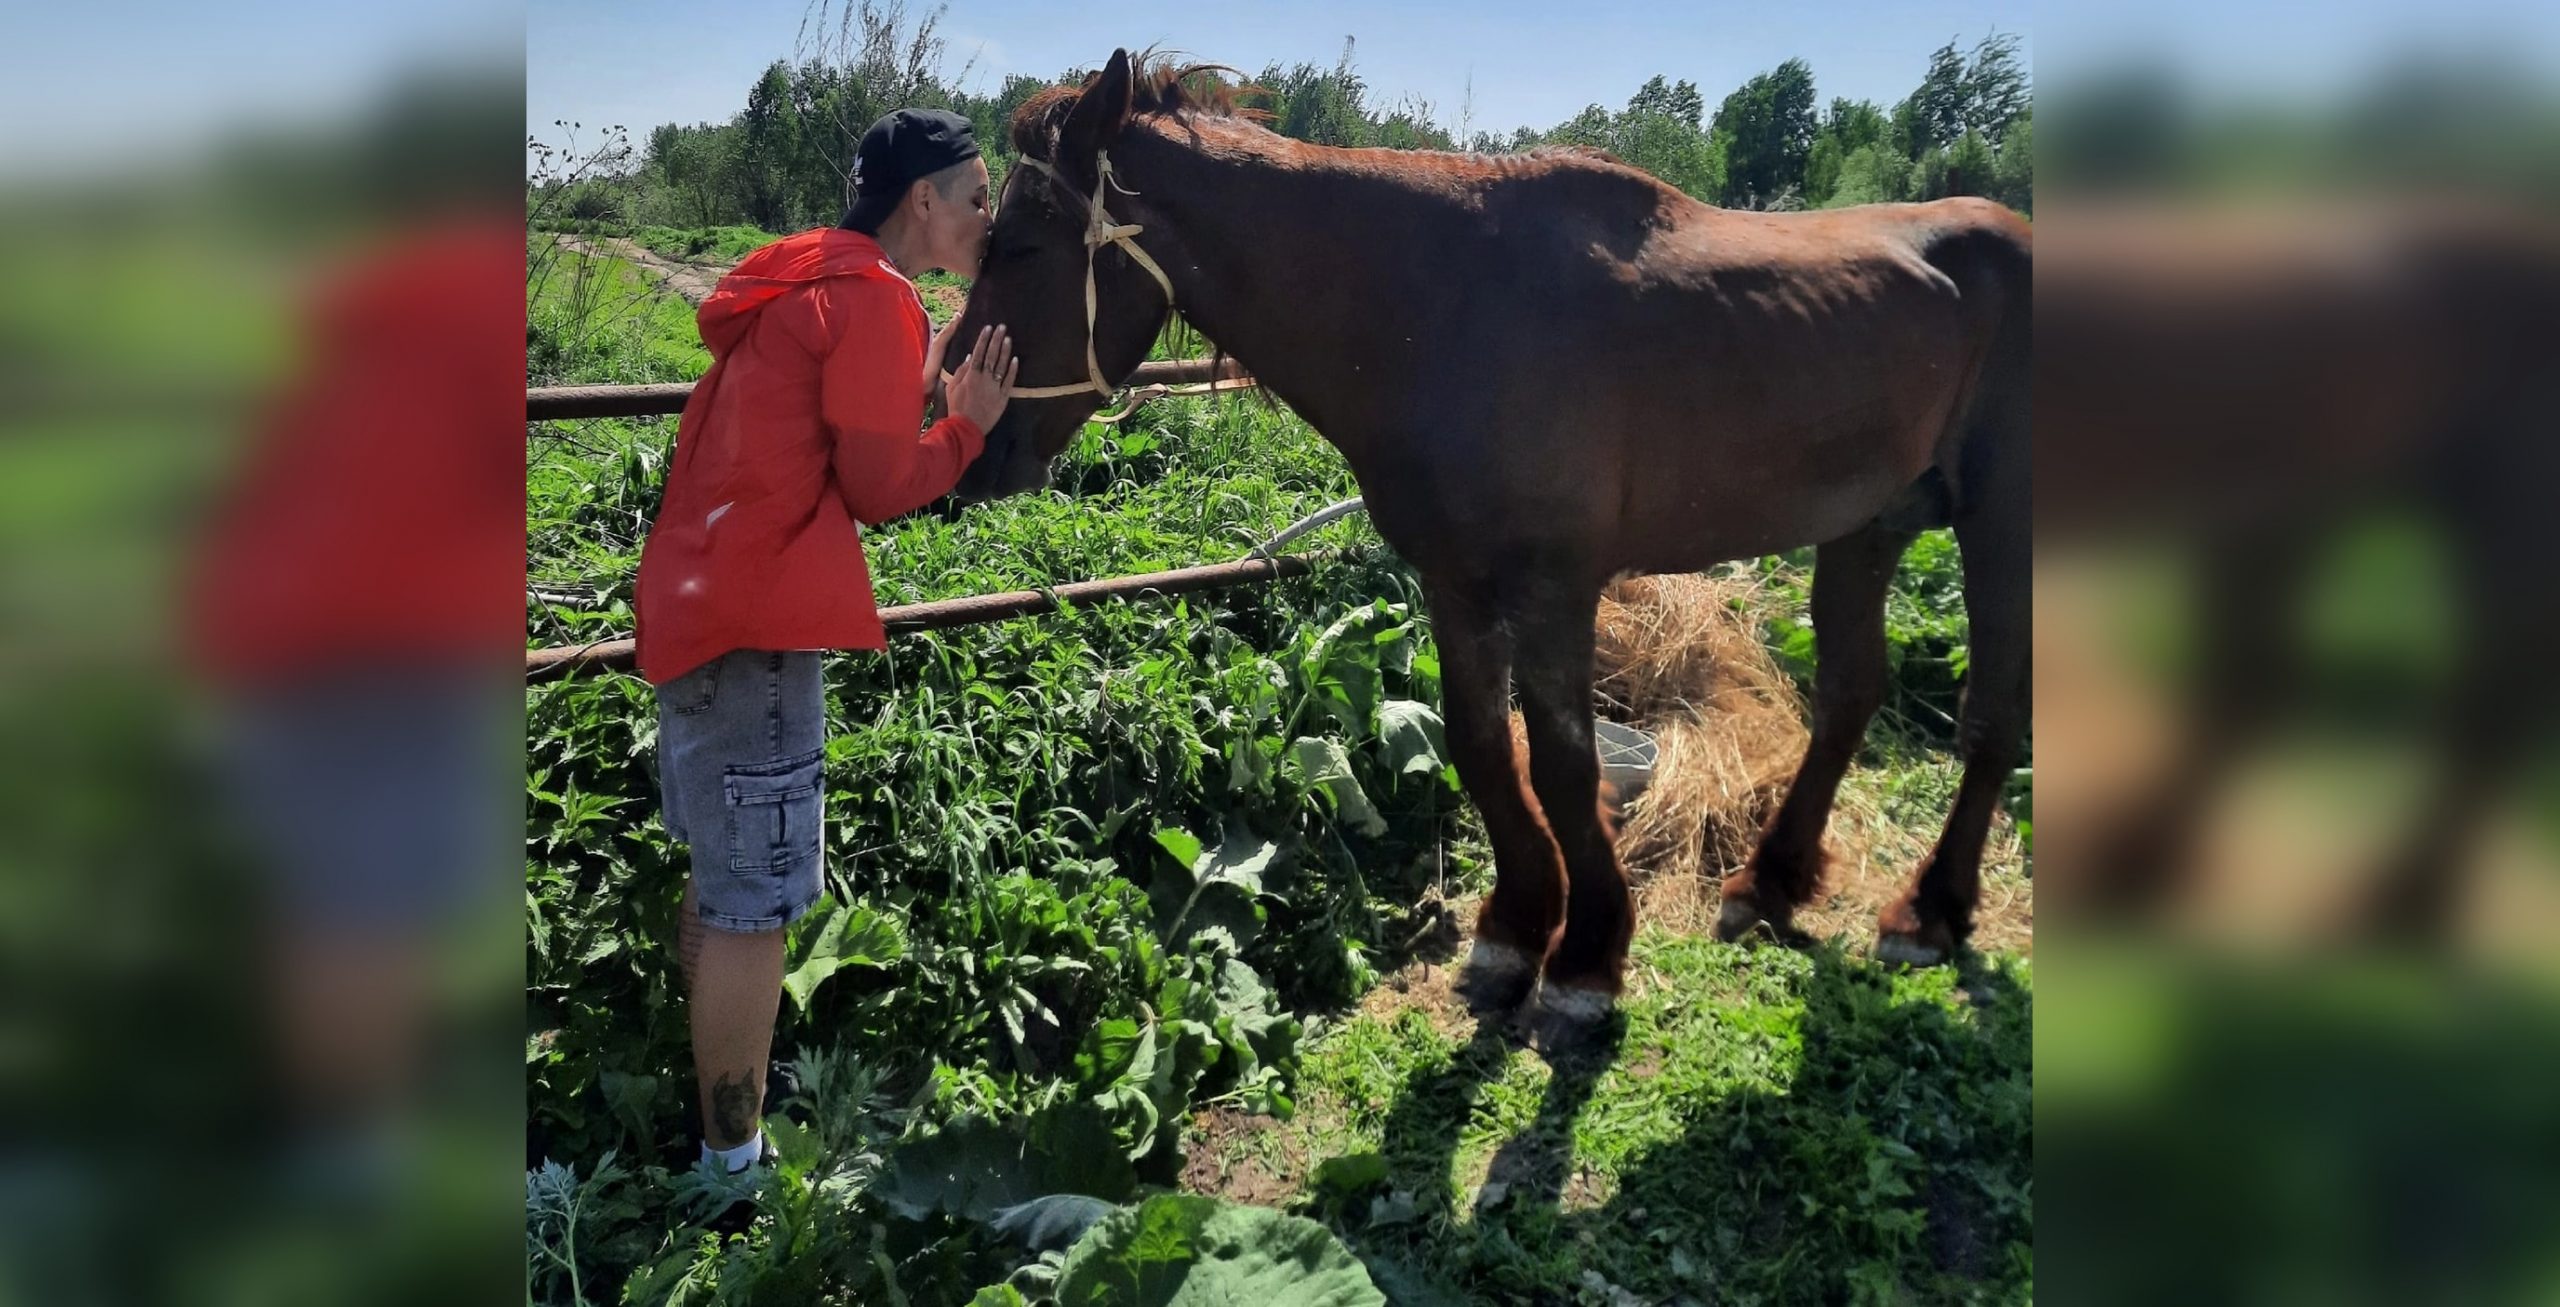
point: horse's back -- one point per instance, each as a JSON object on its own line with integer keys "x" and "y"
{"x": 1830, "y": 360}
{"x": 1960, "y": 232}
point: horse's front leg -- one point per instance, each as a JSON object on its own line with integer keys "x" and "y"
{"x": 1518, "y": 923}
{"x": 1588, "y": 966}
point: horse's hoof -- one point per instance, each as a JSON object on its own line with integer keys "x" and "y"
{"x": 1735, "y": 920}
{"x": 1739, "y": 917}
{"x": 1496, "y": 977}
{"x": 1910, "y": 948}
{"x": 1569, "y": 1017}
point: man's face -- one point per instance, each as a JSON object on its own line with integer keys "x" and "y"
{"x": 962, "y": 216}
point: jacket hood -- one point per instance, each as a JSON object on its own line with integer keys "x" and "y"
{"x": 779, "y": 268}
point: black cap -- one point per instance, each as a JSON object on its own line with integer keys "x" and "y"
{"x": 900, "y": 150}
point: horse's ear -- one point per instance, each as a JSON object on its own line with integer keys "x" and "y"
{"x": 1102, "y": 110}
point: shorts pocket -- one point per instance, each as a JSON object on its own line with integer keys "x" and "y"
{"x": 775, "y": 811}
{"x": 694, "y": 692}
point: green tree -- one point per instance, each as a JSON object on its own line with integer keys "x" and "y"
{"x": 1996, "y": 93}
{"x": 856, "y": 62}
{"x": 662, "y": 142}
{"x": 768, "y": 148}
{"x": 1849, "y": 126}
{"x": 1854, "y": 123}
{"x": 1965, "y": 168}
{"x": 1660, "y": 143}
{"x": 1768, "y": 128}
{"x": 1411, "y": 126}
{"x": 1594, "y": 126}
{"x": 1985, "y": 94}
{"x": 2014, "y": 174}
{"x": 833, "y": 109}
{"x": 1681, "y": 102}
{"x": 695, "y": 171}
{"x": 1933, "y": 115}
{"x": 1673, "y": 150}
{"x": 991, "y": 116}
{"x": 1872, "y": 174}
{"x": 1308, "y": 103}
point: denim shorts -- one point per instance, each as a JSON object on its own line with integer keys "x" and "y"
{"x": 741, "y": 753}
{"x": 378, "y": 799}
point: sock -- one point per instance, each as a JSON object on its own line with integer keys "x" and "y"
{"x": 734, "y": 1160}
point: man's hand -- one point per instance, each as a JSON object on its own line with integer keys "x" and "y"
{"x": 982, "y": 384}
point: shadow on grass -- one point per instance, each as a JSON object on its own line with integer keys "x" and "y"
{"x": 1882, "y": 1154}
{"x": 2355, "y": 1130}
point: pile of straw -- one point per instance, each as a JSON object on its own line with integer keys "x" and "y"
{"x": 1682, "y": 658}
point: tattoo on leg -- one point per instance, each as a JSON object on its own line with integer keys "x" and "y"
{"x": 735, "y": 1100}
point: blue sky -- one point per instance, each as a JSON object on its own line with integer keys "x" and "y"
{"x": 107, "y": 88}
{"x": 185, "y": 73}
{"x": 644, "y": 62}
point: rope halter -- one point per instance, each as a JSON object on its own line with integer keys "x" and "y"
{"x": 1099, "y": 231}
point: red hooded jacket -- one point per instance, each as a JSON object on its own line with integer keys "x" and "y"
{"x": 804, "y": 426}
{"x": 379, "y": 513}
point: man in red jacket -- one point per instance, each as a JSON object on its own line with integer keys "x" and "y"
{"x": 804, "y": 428}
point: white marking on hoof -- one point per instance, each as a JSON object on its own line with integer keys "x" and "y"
{"x": 1908, "y": 951}
{"x": 1576, "y": 1006}
{"x": 1494, "y": 961}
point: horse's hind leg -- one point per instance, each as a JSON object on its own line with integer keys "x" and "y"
{"x": 1518, "y": 921}
{"x": 2146, "y": 853}
{"x": 1850, "y": 576}
{"x": 1992, "y": 525}
{"x": 2503, "y": 702}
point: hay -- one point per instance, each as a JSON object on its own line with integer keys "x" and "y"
{"x": 1682, "y": 657}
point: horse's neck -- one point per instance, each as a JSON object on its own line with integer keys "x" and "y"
{"x": 1291, "y": 300}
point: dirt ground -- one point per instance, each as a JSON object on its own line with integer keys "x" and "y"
{"x": 693, "y": 281}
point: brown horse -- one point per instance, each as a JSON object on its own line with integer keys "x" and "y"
{"x": 2239, "y": 386}
{"x": 1547, "y": 371}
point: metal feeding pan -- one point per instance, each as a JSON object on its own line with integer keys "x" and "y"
{"x": 1626, "y": 756}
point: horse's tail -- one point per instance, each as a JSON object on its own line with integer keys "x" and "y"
{"x": 1989, "y": 253}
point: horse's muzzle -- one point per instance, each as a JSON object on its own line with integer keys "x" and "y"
{"x": 978, "y": 481}
{"x": 1005, "y": 467}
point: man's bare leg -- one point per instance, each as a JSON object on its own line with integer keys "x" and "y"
{"x": 733, "y": 983}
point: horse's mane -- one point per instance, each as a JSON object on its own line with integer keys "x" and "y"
{"x": 1161, "y": 87}
{"x": 1158, "y": 87}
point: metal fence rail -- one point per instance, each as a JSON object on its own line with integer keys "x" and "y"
{"x": 566, "y": 403}
{"x": 562, "y": 403}
{"x": 943, "y": 614}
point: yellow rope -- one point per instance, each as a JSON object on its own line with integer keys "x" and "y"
{"x": 1099, "y": 231}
